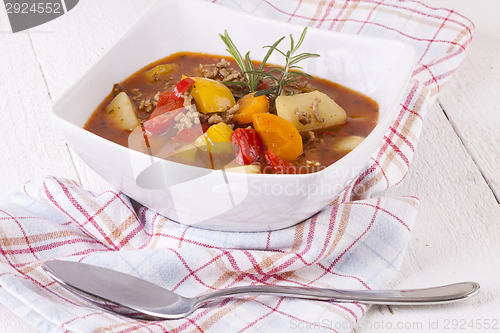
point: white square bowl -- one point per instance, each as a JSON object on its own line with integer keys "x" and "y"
{"x": 215, "y": 199}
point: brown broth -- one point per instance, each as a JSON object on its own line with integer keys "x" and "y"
{"x": 362, "y": 112}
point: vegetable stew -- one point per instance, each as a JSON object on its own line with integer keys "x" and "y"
{"x": 213, "y": 125}
{"x": 236, "y": 113}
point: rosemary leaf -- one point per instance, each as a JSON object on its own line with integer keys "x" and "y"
{"x": 301, "y": 57}
{"x": 288, "y": 81}
{"x": 269, "y": 91}
{"x": 268, "y": 54}
{"x": 280, "y": 76}
{"x": 252, "y": 80}
{"x": 233, "y": 50}
{"x": 264, "y": 74}
{"x": 274, "y": 48}
{"x": 301, "y": 40}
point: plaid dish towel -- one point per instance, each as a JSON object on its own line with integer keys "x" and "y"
{"x": 356, "y": 242}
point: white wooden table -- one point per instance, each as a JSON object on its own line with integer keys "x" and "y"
{"x": 454, "y": 172}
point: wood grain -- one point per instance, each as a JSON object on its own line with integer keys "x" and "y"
{"x": 83, "y": 36}
{"x": 29, "y": 146}
{"x": 471, "y": 99}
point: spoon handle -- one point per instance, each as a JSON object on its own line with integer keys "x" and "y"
{"x": 433, "y": 295}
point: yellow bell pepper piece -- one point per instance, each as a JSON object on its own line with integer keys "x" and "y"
{"x": 157, "y": 72}
{"x": 211, "y": 96}
{"x": 220, "y": 132}
{"x": 217, "y": 139}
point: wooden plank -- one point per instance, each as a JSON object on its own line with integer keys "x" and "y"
{"x": 471, "y": 99}
{"x": 80, "y": 38}
{"x": 452, "y": 240}
{"x": 29, "y": 145}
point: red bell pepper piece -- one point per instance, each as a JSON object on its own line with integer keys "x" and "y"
{"x": 278, "y": 164}
{"x": 166, "y": 99}
{"x": 181, "y": 88}
{"x": 247, "y": 144}
{"x": 188, "y": 135}
{"x": 164, "y": 114}
{"x": 169, "y": 105}
{"x": 173, "y": 99}
{"x": 159, "y": 124}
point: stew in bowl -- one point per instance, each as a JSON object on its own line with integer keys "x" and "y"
{"x": 200, "y": 109}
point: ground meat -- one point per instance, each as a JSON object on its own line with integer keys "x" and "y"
{"x": 304, "y": 117}
{"x": 309, "y": 137}
{"x": 147, "y": 104}
{"x": 297, "y": 87}
{"x": 228, "y": 119}
{"x": 223, "y": 64}
{"x": 221, "y": 71}
{"x": 187, "y": 120}
{"x": 224, "y": 72}
{"x": 222, "y": 117}
{"x": 315, "y": 109}
{"x": 170, "y": 84}
{"x": 203, "y": 117}
{"x": 215, "y": 119}
{"x": 304, "y": 86}
{"x": 188, "y": 99}
{"x": 233, "y": 109}
{"x": 117, "y": 88}
{"x": 209, "y": 71}
{"x": 233, "y": 77}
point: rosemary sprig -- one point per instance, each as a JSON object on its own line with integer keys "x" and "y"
{"x": 289, "y": 73}
{"x": 285, "y": 75}
{"x": 246, "y": 65}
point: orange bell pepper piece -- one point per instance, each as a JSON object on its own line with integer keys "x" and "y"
{"x": 250, "y": 105}
{"x": 279, "y": 135}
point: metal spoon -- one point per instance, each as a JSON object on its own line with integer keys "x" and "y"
{"x": 133, "y": 297}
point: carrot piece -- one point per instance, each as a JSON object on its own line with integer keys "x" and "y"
{"x": 250, "y": 105}
{"x": 279, "y": 135}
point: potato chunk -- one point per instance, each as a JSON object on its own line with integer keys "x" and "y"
{"x": 251, "y": 168}
{"x": 310, "y": 111}
{"x": 122, "y": 112}
{"x": 348, "y": 143}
